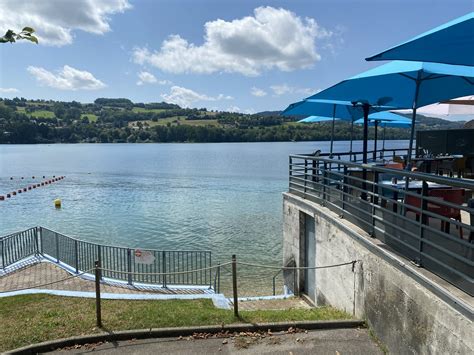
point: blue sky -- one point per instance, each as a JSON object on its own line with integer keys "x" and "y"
{"x": 242, "y": 55}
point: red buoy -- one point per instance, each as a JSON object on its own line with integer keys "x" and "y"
{"x": 8, "y": 195}
{"x": 32, "y": 177}
{"x": 14, "y": 193}
{"x": 11, "y": 178}
{"x": 29, "y": 187}
{"x": 2, "y": 198}
{"x": 19, "y": 191}
{"x": 24, "y": 189}
{"x": 34, "y": 186}
{"x": 42, "y": 184}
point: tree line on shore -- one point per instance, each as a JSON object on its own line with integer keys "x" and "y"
{"x": 122, "y": 121}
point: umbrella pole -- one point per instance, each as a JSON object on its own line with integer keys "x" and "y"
{"x": 383, "y": 141}
{"x": 366, "y": 132}
{"x": 352, "y": 137}
{"x": 413, "y": 119}
{"x": 332, "y": 130}
{"x": 364, "y": 158}
{"x": 374, "y": 156}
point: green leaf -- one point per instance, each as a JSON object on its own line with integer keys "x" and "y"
{"x": 32, "y": 39}
{"x": 28, "y": 29}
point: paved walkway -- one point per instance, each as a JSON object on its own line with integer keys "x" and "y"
{"x": 333, "y": 342}
{"x": 36, "y": 275}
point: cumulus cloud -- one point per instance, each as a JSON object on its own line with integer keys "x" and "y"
{"x": 258, "y": 92}
{"x": 270, "y": 39}
{"x": 145, "y": 77}
{"x": 67, "y": 78}
{"x": 284, "y": 89}
{"x": 9, "y": 91}
{"x": 55, "y": 20}
{"x": 186, "y": 97}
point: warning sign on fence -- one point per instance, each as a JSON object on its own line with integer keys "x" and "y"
{"x": 144, "y": 257}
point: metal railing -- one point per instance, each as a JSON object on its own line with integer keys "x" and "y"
{"x": 357, "y": 156}
{"x": 377, "y": 199}
{"x": 129, "y": 264}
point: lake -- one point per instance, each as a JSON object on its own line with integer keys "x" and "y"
{"x": 223, "y": 197}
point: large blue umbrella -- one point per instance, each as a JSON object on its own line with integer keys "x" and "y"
{"x": 390, "y": 120}
{"x": 451, "y": 43}
{"x": 403, "y": 85}
{"x": 333, "y": 109}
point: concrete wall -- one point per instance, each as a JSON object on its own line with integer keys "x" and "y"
{"x": 411, "y": 310}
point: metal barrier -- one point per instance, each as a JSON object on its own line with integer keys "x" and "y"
{"x": 81, "y": 255}
{"x": 387, "y": 154}
{"x": 399, "y": 208}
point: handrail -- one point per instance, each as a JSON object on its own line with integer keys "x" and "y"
{"x": 457, "y": 182}
{"x": 163, "y": 266}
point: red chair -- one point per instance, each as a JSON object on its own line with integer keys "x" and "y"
{"x": 454, "y": 196}
{"x": 394, "y": 166}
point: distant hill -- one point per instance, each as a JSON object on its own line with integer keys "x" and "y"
{"x": 120, "y": 120}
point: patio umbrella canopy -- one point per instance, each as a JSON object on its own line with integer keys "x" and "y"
{"x": 332, "y": 109}
{"x": 402, "y": 85}
{"x": 451, "y": 43}
{"x": 396, "y": 121}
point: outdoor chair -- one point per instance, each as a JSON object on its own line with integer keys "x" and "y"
{"x": 454, "y": 196}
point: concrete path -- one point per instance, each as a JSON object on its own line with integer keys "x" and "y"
{"x": 334, "y": 342}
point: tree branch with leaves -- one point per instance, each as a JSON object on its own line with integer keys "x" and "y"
{"x": 26, "y": 33}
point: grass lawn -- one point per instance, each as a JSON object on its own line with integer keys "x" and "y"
{"x": 141, "y": 109}
{"x": 42, "y": 114}
{"x": 30, "y": 319}
{"x": 91, "y": 116}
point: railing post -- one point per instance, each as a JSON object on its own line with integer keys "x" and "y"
{"x": 57, "y": 246}
{"x": 290, "y": 162}
{"x": 76, "y": 251}
{"x": 423, "y": 220}
{"x": 129, "y": 266}
{"x": 41, "y": 240}
{"x": 374, "y": 199}
{"x": 305, "y": 175}
{"x": 324, "y": 183}
{"x": 37, "y": 252}
{"x": 344, "y": 191}
{"x": 234, "y": 285}
{"x": 98, "y": 276}
{"x": 295, "y": 282}
{"x": 3, "y": 253}
{"x": 99, "y": 257}
{"x": 163, "y": 256}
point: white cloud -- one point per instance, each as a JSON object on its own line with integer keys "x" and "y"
{"x": 145, "y": 77}
{"x": 55, "y": 20}
{"x": 67, "y": 78}
{"x": 270, "y": 39}
{"x": 8, "y": 91}
{"x": 279, "y": 90}
{"x": 186, "y": 97}
{"x": 258, "y": 92}
{"x": 233, "y": 109}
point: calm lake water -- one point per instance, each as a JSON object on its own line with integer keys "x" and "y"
{"x": 223, "y": 197}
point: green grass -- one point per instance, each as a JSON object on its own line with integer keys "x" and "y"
{"x": 91, "y": 116}
{"x": 30, "y": 319}
{"x": 141, "y": 109}
{"x": 42, "y": 114}
{"x": 174, "y": 121}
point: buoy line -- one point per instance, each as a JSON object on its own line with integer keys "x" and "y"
{"x": 47, "y": 181}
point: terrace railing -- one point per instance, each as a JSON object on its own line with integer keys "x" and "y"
{"x": 397, "y": 207}
{"x": 356, "y": 156}
{"x": 163, "y": 267}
